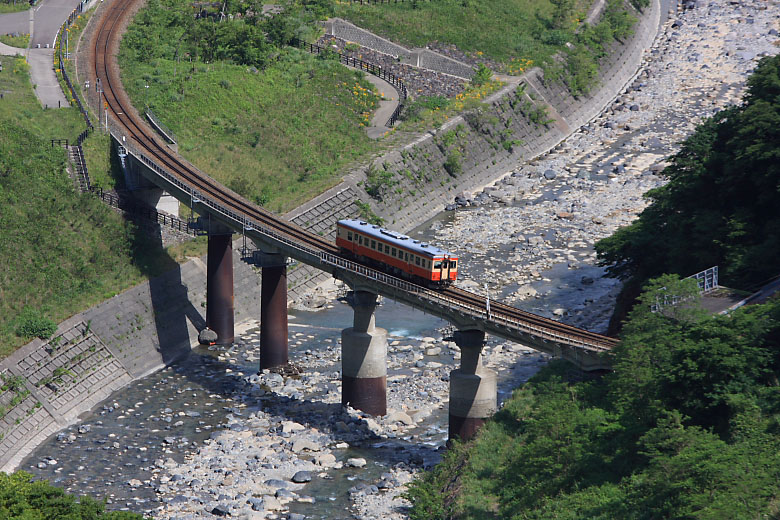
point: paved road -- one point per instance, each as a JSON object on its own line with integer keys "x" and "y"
{"x": 15, "y": 22}
{"x": 47, "y": 17}
{"x": 47, "y": 88}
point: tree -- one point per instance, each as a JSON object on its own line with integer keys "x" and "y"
{"x": 720, "y": 205}
{"x": 21, "y": 498}
{"x": 563, "y": 12}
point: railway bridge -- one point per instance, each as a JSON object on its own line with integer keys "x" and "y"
{"x": 364, "y": 346}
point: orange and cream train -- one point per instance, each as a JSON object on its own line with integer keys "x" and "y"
{"x": 396, "y": 254}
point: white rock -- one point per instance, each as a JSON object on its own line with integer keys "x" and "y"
{"x": 357, "y": 462}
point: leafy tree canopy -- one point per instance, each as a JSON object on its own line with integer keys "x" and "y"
{"x": 720, "y": 206}
{"x": 21, "y": 498}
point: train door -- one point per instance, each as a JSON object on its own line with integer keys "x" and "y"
{"x": 445, "y": 269}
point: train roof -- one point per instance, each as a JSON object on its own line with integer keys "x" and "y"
{"x": 393, "y": 237}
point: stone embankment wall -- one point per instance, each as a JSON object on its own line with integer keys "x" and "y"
{"x": 423, "y": 58}
{"x": 102, "y": 349}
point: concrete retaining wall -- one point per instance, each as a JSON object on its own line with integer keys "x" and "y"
{"x": 98, "y": 351}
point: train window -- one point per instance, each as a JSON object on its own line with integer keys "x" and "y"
{"x": 417, "y": 260}
{"x": 373, "y": 244}
{"x": 394, "y": 252}
{"x": 452, "y": 264}
{"x": 437, "y": 265}
{"x": 349, "y": 236}
{"x": 387, "y": 249}
{"x": 360, "y": 239}
{"x": 407, "y": 256}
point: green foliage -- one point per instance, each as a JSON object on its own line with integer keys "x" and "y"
{"x": 498, "y": 29}
{"x": 720, "y": 205}
{"x": 452, "y": 164}
{"x": 33, "y": 323}
{"x": 291, "y": 123}
{"x": 563, "y": 12}
{"x": 378, "y": 182}
{"x": 76, "y": 252}
{"x": 367, "y": 214}
{"x": 21, "y": 498}
{"x": 482, "y": 75}
{"x": 21, "y": 41}
{"x": 685, "y": 427}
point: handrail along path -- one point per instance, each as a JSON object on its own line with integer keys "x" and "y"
{"x": 177, "y": 175}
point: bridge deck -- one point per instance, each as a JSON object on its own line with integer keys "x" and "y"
{"x": 199, "y": 191}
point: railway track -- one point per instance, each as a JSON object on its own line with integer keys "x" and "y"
{"x": 132, "y": 127}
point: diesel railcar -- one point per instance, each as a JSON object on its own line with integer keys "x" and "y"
{"x": 396, "y": 254}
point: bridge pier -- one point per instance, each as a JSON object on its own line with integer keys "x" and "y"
{"x": 219, "y": 288}
{"x": 473, "y": 396}
{"x": 273, "y": 311}
{"x": 364, "y": 358}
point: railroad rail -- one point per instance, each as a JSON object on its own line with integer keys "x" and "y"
{"x": 207, "y": 196}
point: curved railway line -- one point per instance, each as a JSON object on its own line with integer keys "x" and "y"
{"x": 164, "y": 161}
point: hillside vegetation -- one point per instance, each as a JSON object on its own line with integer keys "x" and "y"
{"x": 687, "y": 426}
{"x": 507, "y": 35}
{"x": 271, "y": 122}
{"x": 61, "y": 251}
{"x": 688, "y": 423}
{"x": 720, "y": 206}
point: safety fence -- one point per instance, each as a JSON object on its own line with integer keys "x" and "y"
{"x": 365, "y": 66}
{"x": 314, "y": 256}
{"x": 72, "y": 17}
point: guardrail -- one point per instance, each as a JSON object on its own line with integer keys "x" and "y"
{"x": 160, "y": 127}
{"x": 143, "y": 211}
{"x": 371, "y": 68}
{"x": 497, "y": 318}
{"x": 493, "y": 316}
{"x": 65, "y": 25}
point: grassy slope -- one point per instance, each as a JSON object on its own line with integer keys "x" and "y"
{"x": 78, "y": 252}
{"x": 499, "y": 29}
{"x": 278, "y": 137}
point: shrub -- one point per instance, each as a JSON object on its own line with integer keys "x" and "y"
{"x": 32, "y": 323}
{"x": 452, "y": 164}
{"x": 482, "y": 75}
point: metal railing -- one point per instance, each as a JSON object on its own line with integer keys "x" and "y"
{"x": 365, "y": 66}
{"x": 707, "y": 279}
{"x": 160, "y": 127}
{"x": 143, "y": 211}
{"x": 496, "y": 318}
{"x": 65, "y": 25}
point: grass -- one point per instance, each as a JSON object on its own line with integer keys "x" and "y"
{"x": 14, "y": 6}
{"x": 514, "y": 33}
{"x": 278, "y": 137}
{"x": 61, "y": 251}
{"x": 21, "y": 41}
{"x": 21, "y": 108}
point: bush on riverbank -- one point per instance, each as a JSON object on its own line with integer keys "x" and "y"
{"x": 685, "y": 427}
{"x": 23, "y": 499}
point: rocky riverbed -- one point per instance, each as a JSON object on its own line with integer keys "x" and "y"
{"x": 216, "y": 439}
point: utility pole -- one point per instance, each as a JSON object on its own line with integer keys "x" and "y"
{"x": 487, "y": 301}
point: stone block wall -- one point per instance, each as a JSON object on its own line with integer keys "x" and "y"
{"x": 102, "y": 349}
{"x": 352, "y": 33}
{"x": 428, "y": 59}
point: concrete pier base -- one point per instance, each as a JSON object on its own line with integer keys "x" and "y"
{"x": 473, "y": 395}
{"x": 219, "y": 288}
{"x": 273, "y": 311}
{"x": 364, "y": 359}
